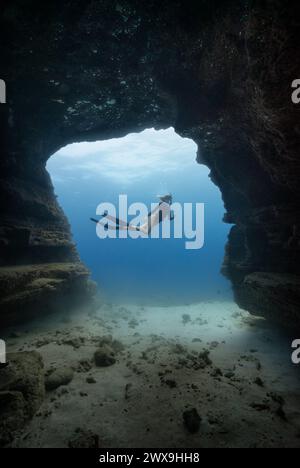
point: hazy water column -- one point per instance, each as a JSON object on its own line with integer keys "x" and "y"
{"x": 142, "y": 166}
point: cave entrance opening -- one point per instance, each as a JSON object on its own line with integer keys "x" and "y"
{"x": 143, "y": 165}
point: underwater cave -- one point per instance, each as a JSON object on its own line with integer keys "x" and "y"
{"x": 94, "y": 71}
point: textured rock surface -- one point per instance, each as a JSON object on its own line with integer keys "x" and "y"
{"x": 220, "y": 72}
{"x": 58, "y": 377}
{"x": 84, "y": 439}
{"x": 22, "y": 390}
{"x": 277, "y": 294}
{"x": 31, "y": 290}
{"x": 104, "y": 356}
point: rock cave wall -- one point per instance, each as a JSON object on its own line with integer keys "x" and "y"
{"x": 219, "y": 72}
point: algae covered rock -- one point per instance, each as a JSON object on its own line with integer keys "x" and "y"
{"x": 58, "y": 377}
{"x": 104, "y": 356}
{"x": 22, "y": 390}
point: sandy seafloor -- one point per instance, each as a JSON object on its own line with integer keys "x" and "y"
{"x": 247, "y": 393}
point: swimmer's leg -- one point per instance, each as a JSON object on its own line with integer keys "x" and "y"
{"x": 121, "y": 228}
{"x": 118, "y": 221}
{"x": 96, "y": 220}
{"x": 107, "y": 227}
{"x": 125, "y": 227}
{"x": 146, "y": 228}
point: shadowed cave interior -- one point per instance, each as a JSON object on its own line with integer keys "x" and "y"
{"x": 219, "y": 73}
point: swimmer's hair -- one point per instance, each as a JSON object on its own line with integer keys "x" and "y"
{"x": 166, "y": 198}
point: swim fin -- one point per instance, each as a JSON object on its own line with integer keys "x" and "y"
{"x": 97, "y": 220}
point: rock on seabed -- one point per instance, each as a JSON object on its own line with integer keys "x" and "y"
{"x": 22, "y": 391}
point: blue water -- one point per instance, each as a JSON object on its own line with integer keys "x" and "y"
{"x": 142, "y": 166}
